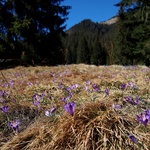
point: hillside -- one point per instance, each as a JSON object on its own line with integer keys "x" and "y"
{"x": 89, "y": 25}
{"x": 93, "y": 38}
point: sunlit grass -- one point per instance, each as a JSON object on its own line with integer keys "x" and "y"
{"x": 95, "y": 124}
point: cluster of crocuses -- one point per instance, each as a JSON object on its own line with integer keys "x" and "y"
{"x": 69, "y": 107}
{"x": 4, "y": 109}
{"x": 69, "y": 93}
{"x": 13, "y": 124}
{"x": 3, "y": 95}
{"x": 144, "y": 118}
{"x": 132, "y": 100}
{"x": 37, "y": 99}
{"x": 129, "y": 84}
{"x": 95, "y": 88}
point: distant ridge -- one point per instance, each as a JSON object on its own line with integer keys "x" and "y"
{"x": 82, "y": 24}
{"x": 110, "y": 21}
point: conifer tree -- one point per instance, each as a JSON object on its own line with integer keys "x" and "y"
{"x": 83, "y": 51}
{"x": 33, "y": 28}
{"x": 134, "y": 31}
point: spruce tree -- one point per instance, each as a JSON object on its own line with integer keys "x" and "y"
{"x": 33, "y": 29}
{"x": 83, "y": 51}
{"x": 134, "y": 31}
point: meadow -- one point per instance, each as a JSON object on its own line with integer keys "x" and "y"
{"x": 75, "y": 107}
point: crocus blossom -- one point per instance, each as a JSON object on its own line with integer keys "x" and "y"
{"x": 49, "y": 112}
{"x": 15, "y": 125}
{"x": 88, "y": 82}
{"x": 123, "y": 86}
{"x": 147, "y": 114}
{"x": 106, "y": 92}
{"x": 36, "y": 103}
{"x": 4, "y": 109}
{"x": 131, "y": 100}
{"x": 116, "y": 106}
{"x": 128, "y": 98}
{"x": 70, "y": 108}
{"x": 95, "y": 87}
{"x": 132, "y": 138}
{"x": 64, "y": 99}
{"x": 143, "y": 118}
{"x": 131, "y": 84}
{"x": 136, "y": 101}
{"x": 37, "y": 97}
{"x": 1, "y": 100}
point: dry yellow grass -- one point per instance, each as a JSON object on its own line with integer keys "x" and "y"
{"x": 95, "y": 124}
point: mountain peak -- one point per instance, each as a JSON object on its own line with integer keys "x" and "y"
{"x": 110, "y": 21}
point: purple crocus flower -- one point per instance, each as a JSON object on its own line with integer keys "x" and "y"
{"x": 4, "y": 109}
{"x": 70, "y": 108}
{"x": 1, "y": 93}
{"x": 60, "y": 86}
{"x": 68, "y": 89}
{"x": 106, "y": 92}
{"x": 15, "y": 125}
{"x": 95, "y": 87}
{"x": 11, "y": 82}
{"x": 131, "y": 84}
{"x": 132, "y": 138}
{"x": 49, "y": 112}
{"x": 64, "y": 99}
{"x": 128, "y": 98}
{"x": 36, "y": 103}
{"x": 88, "y": 82}
{"x": 136, "y": 101}
{"x": 37, "y": 97}
{"x": 86, "y": 88}
{"x": 143, "y": 118}
{"x": 147, "y": 114}
{"x": 74, "y": 86}
{"x": 1, "y": 100}
{"x": 5, "y": 94}
{"x": 116, "y": 106}
{"x": 124, "y": 86}
{"x": 29, "y": 84}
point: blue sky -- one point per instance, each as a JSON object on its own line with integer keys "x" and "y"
{"x": 96, "y": 10}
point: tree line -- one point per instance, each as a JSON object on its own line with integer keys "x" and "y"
{"x": 132, "y": 43}
{"x": 31, "y": 30}
{"x": 126, "y": 42}
{"x": 33, "y": 33}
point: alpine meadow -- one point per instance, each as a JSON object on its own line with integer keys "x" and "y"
{"x": 85, "y": 88}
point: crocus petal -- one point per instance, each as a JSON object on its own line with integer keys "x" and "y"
{"x": 4, "y": 109}
{"x": 70, "y": 108}
{"x": 47, "y": 113}
{"x": 116, "y": 106}
{"x": 133, "y": 139}
{"x": 147, "y": 114}
{"x": 143, "y": 119}
{"x": 52, "y": 109}
{"x": 15, "y": 124}
{"x": 106, "y": 92}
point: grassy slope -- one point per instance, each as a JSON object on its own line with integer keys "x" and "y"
{"x": 95, "y": 124}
